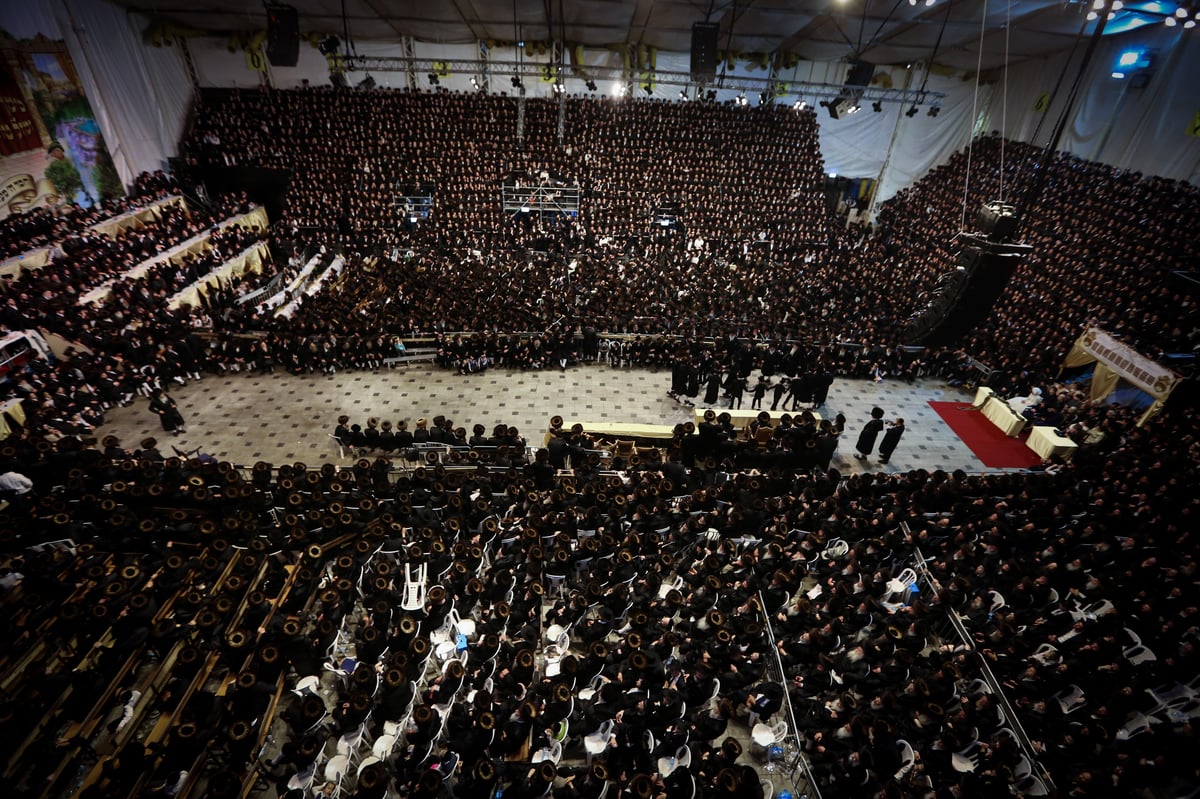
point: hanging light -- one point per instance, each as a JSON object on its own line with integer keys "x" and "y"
{"x": 1181, "y": 12}
{"x": 1092, "y": 15}
{"x": 1171, "y": 23}
{"x": 1191, "y": 23}
{"x": 910, "y": 113}
{"x": 1117, "y": 5}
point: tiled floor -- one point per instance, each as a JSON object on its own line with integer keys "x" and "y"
{"x": 281, "y": 418}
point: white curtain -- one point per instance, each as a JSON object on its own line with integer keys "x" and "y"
{"x": 140, "y": 94}
{"x": 860, "y": 145}
{"x": 1142, "y": 129}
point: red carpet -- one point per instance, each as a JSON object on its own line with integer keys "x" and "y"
{"x": 995, "y": 449}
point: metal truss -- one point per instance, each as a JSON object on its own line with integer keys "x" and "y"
{"x": 538, "y": 71}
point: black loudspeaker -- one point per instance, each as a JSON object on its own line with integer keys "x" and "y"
{"x": 283, "y": 36}
{"x": 860, "y": 73}
{"x": 704, "y": 51}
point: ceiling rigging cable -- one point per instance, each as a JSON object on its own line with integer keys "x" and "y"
{"x": 1004, "y": 95}
{"x": 974, "y": 114}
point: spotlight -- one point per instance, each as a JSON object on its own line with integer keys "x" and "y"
{"x": 1092, "y": 15}
{"x": 329, "y": 46}
{"x": 1181, "y": 12}
{"x": 558, "y": 87}
{"x": 516, "y": 82}
{"x": 649, "y": 88}
{"x": 474, "y": 82}
{"x": 711, "y": 95}
{"x": 1117, "y": 5}
{"x": 619, "y": 91}
{"x": 591, "y": 85}
{"x": 1191, "y": 23}
{"x": 762, "y": 98}
{"x": 910, "y": 113}
{"x": 1171, "y": 23}
{"x": 876, "y": 106}
{"x": 433, "y": 79}
{"x": 799, "y": 105}
{"x": 683, "y": 95}
{"x": 741, "y": 99}
{"x": 934, "y": 109}
{"x": 854, "y": 109}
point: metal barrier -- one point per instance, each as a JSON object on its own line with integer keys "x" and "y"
{"x": 798, "y": 766}
{"x": 964, "y": 635}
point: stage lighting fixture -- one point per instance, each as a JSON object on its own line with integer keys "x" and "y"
{"x": 1131, "y": 61}
{"x": 741, "y": 99}
{"x": 591, "y": 85}
{"x": 366, "y": 84}
{"x": 763, "y": 97}
{"x": 877, "y": 106}
{"x": 516, "y": 82}
{"x": 1092, "y": 16}
{"x": 910, "y": 113}
{"x": 711, "y": 95}
{"x": 934, "y": 109}
{"x": 1171, "y": 23}
{"x": 649, "y": 88}
{"x": 329, "y": 46}
{"x": 683, "y": 95}
{"x": 433, "y": 79}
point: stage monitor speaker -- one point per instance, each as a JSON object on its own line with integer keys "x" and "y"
{"x": 860, "y": 73}
{"x": 704, "y": 51}
{"x": 283, "y": 36}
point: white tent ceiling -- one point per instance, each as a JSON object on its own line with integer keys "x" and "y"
{"x": 880, "y": 31}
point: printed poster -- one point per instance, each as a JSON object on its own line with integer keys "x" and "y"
{"x": 51, "y": 148}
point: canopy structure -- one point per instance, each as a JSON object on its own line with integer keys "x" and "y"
{"x": 1116, "y": 361}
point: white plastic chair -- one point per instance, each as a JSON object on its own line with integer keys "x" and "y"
{"x": 1047, "y": 655}
{"x": 966, "y": 760}
{"x": 667, "y": 586}
{"x": 587, "y": 694}
{"x": 836, "y": 548}
{"x": 596, "y": 743}
{"x": 413, "y": 597}
{"x": 1168, "y": 696}
{"x": 551, "y": 753}
{"x": 767, "y": 735}
{"x": 1071, "y": 699}
{"x": 681, "y": 759}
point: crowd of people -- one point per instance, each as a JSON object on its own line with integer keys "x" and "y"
{"x": 607, "y": 599}
{"x": 1077, "y": 584}
{"x": 124, "y": 339}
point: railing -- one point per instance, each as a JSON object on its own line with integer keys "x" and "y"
{"x": 798, "y": 766}
{"x": 964, "y": 635}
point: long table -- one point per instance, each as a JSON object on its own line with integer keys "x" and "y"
{"x": 621, "y": 430}
{"x": 1047, "y": 443}
{"x": 744, "y": 416}
{"x": 998, "y": 413}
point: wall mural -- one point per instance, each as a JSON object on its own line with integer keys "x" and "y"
{"x": 51, "y": 148}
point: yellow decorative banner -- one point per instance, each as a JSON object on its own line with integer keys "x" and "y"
{"x": 1194, "y": 127}
{"x": 1042, "y": 103}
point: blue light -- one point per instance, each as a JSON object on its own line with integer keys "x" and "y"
{"x": 1129, "y": 61}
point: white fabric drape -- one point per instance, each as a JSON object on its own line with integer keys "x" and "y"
{"x": 140, "y": 94}
{"x": 858, "y": 146}
{"x": 1139, "y": 129}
